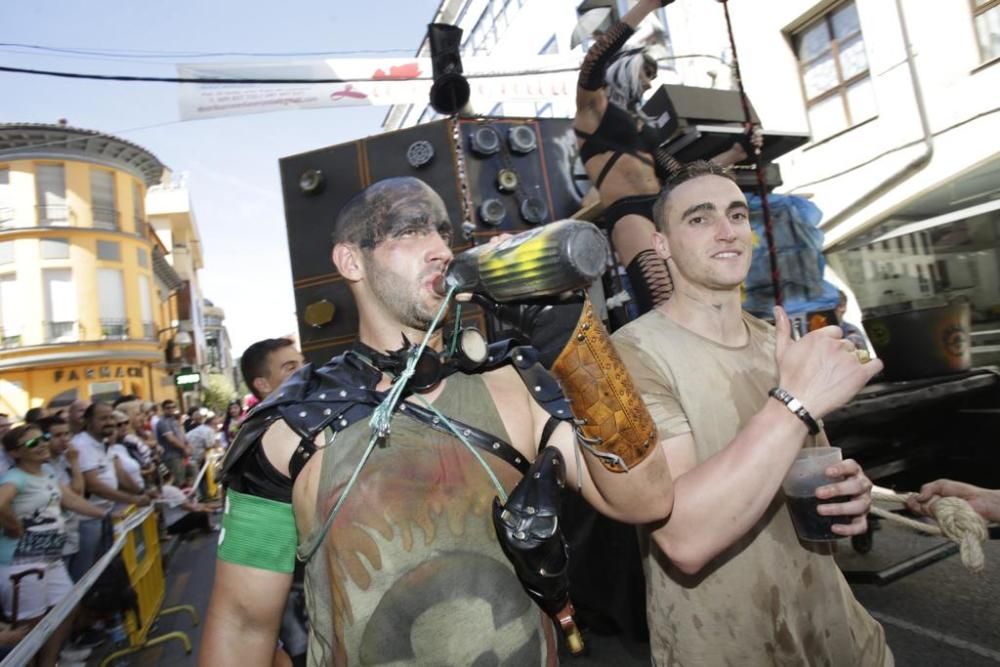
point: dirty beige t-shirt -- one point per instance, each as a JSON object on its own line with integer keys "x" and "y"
{"x": 766, "y": 600}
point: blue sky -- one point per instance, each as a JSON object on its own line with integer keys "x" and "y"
{"x": 232, "y": 163}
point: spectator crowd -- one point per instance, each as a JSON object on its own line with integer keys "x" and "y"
{"x": 66, "y": 472}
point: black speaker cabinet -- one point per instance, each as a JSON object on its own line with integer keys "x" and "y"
{"x": 518, "y": 173}
{"x": 698, "y": 123}
{"x": 691, "y": 105}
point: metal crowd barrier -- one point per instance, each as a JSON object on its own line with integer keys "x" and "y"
{"x": 144, "y": 565}
{"x": 139, "y": 543}
{"x": 213, "y": 458}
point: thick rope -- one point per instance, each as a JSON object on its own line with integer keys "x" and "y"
{"x": 956, "y": 520}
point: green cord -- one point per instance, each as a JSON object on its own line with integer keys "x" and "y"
{"x": 379, "y": 423}
{"x": 451, "y": 427}
{"x": 382, "y": 415}
{"x": 458, "y": 327}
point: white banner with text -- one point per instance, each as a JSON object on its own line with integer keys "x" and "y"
{"x": 364, "y": 82}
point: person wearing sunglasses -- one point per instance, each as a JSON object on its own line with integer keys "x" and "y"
{"x": 138, "y": 440}
{"x": 64, "y": 464}
{"x": 34, "y": 533}
{"x": 125, "y": 455}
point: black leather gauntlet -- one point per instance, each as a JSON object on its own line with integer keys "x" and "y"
{"x": 529, "y": 534}
{"x": 600, "y": 55}
{"x": 546, "y": 326}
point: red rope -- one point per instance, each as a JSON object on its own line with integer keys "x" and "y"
{"x": 772, "y": 253}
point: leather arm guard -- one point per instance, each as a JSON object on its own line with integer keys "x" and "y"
{"x": 601, "y": 54}
{"x": 529, "y": 534}
{"x": 612, "y": 421}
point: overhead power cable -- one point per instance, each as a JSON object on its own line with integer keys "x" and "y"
{"x": 164, "y": 79}
{"x": 142, "y": 53}
{"x": 173, "y": 79}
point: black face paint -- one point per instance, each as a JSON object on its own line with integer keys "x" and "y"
{"x": 404, "y": 217}
{"x": 415, "y": 223}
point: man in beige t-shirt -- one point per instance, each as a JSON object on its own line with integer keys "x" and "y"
{"x": 728, "y": 582}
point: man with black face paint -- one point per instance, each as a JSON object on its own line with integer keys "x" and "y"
{"x": 409, "y": 569}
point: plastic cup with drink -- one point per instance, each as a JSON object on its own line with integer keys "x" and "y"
{"x": 808, "y": 473}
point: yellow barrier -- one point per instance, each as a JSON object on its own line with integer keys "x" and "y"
{"x": 214, "y": 459}
{"x": 143, "y": 561}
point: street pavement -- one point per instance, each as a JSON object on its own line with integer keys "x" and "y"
{"x": 941, "y": 616}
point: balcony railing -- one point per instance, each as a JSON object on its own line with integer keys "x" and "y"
{"x": 49, "y": 216}
{"x": 114, "y": 329}
{"x": 9, "y": 339}
{"x": 105, "y": 218}
{"x": 6, "y": 217}
{"x": 60, "y": 332}
{"x": 148, "y": 331}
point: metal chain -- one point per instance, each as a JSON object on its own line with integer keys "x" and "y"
{"x": 463, "y": 178}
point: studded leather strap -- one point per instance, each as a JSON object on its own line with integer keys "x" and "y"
{"x": 612, "y": 421}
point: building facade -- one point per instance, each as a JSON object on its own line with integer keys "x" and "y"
{"x": 218, "y": 349}
{"x": 172, "y": 219}
{"x": 85, "y": 294}
{"x": 900, "y": 100}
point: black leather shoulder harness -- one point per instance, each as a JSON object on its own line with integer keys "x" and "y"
{"x": 343, "y": 392}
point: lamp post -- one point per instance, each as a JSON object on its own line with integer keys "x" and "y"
{"x": 180, "y": 339}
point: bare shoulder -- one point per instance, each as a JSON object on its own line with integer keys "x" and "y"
{"x": 304, "y": 493}
{"x": 515, "y": 406}
{"x": 279, "y": 442}
{"x": 505, "y": 383}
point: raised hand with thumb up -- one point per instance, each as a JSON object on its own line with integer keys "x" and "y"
{"x": 821, "y": 369}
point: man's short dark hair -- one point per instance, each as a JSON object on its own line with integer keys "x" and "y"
{"x": 88, "y": 414}
{"x": 33, "y": 415}
{"x": 380, "y": 210}
{"x": 687, "y": 172}
{"x": 167, "y": 402}
{"x": 253, "y": 364}
{"x": 46, "y": 423}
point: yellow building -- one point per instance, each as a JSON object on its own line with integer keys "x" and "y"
{"x": 86, "y": 294}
